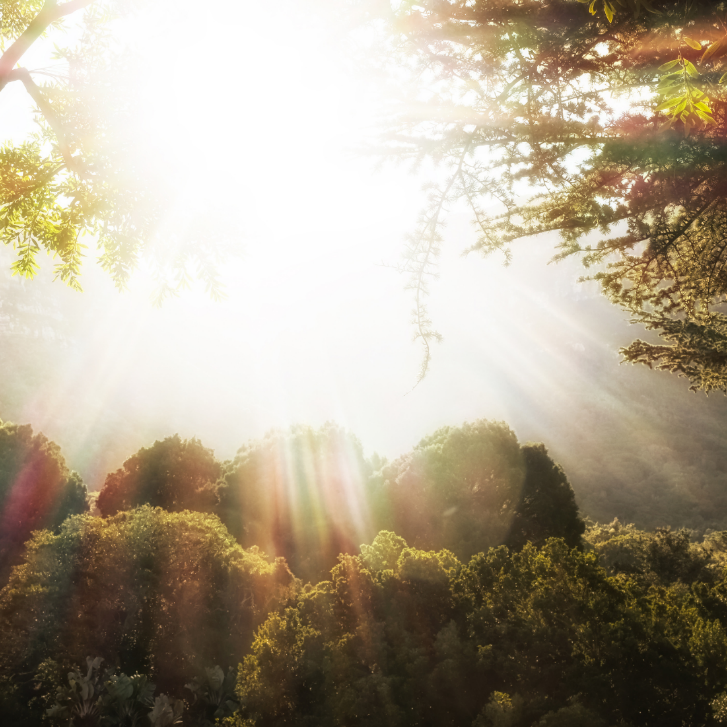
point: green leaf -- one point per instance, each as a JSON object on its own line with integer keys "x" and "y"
{"x": 669, "y": 64}
{"x": 723, "y": 78}
{"x": 609, "y": 10}
{"x": 592, "y": 8}
{"x": 692, "y": 43}
{"x": 691, "y": 70}
{"x": 703, "y": 107}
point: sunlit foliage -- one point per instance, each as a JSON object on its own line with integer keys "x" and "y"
{"x": 81, "y": 174}
{"x": 400, "y": 636}
{"x": 164, "y": 594}
{"x": 37, "y": 490}
{"x": 658, "y": 558}
{"x": 548, "y": 118}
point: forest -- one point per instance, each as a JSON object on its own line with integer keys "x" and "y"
{"x": 542, "y": 543}
{"x": 303, "y": 583}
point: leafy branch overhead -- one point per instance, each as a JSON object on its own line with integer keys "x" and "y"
{"x": 81, "y": 174}
{"x": 607, "y": 127}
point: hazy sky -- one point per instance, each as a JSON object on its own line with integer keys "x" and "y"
{"x": 256, "y": 107}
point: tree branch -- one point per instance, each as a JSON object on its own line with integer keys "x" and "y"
{"x": 49, "y": 14}
{"x": 23, "y": 75}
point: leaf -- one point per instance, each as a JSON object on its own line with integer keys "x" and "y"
{"x": 723, "y": 78}
{"x": 669, "y": 64}
{"x": 703, "y": 107}
{"x": 608, "y": 9}
{"x": 691, "y": 70}
{"x": 705, "y": 117}
{"x": 711, "y": 50}
{"x": 592, "y": 7}
{"x": 692, "y": 43}
{"x": 669, "y": 103}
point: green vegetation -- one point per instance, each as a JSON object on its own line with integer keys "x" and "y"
{"x": 607, "y": 128}
{"x": 83, "y": 173}
{"x": 36, "y": 490}
{"x": 481, "y": 599}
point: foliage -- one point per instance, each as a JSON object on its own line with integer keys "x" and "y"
{"x": 100, "y": 698}
{"x": 82, "y": 172}
{"x": 547, "y": 118}
{"x": 310, "y": 495}
{"x": 175, "y": 474}
{"x": 151, "y": 592}
{"x": 299, "y": 494}
{"x": 36, "y": 489}
{"x": 660, "y": 558}
{"x": 540, "y": 637}
{"x": 214, "y": 695}
{"x": 471, "y": 487}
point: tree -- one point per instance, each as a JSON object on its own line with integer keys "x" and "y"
{"x": 151, "y": 592}
{"x": 401, "y": 636}
{"x": 608, "y": 128}
{"x": 472, "y": 487}
{"x": 299, "y": 494}
{"x": 37, "y": 490}
{"x": 80, "y": 173}
{"x": 174, "y": 474}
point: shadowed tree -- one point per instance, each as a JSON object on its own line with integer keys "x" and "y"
{"x": 472, "y": 487}
{"x": 300, "y": 494}
{"x": 175, "y": 474}
{"x": 37, "y": 490}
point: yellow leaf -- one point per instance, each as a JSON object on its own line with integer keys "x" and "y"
{"x": 668, "y": 65}
{"x": 711, "y": 50}
{"x": 668, "y": 104}
{"x": 608, "y": 9}
{"x": 692, "y": 43}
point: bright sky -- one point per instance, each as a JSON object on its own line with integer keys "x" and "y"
{"x": 253, "y": 105}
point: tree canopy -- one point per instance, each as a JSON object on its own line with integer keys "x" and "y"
{"x": 37, "y": 490}
{"x": 472, "y": 487}
{"x": 173, "y": 474}
{"x": 165, "y": 594}
{"x": 540, "y": 638}
{"x": 299, "y": 494}
{"x": 606, "y": 127}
